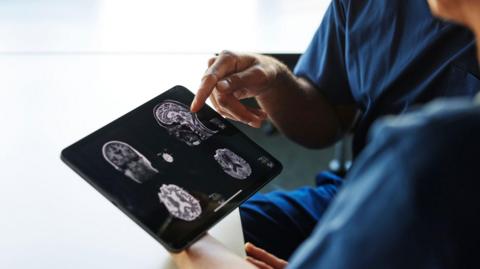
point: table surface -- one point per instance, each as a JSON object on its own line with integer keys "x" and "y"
{"x": 68, "y": 68}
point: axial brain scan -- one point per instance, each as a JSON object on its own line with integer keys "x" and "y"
{"x": 179, "y": 203}
{"x": 232, "y": 164}
{"x": 128, "y": 160}
{"x": 181, "y": 123}
{"x": 167, "y": 157}
{"x": 264, "y": 160}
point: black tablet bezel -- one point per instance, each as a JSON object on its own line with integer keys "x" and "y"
{"x": 71, "y": 157}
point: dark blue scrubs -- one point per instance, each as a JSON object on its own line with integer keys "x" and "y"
{"x": 386, "y": 56}
{"x": 411, "y": 198}
{"x": 383, "y": 56}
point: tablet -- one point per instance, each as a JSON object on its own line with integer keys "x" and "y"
{"x": 173, "y": 172}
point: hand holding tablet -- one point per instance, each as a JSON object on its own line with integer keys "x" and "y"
{"x": 174, "y": 172}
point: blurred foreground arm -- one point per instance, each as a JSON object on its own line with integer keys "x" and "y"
{"x": 208, "y": 253}
{"x": 211, "y": 254}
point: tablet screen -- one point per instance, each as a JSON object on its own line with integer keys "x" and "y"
{"x": 175, "y": 173}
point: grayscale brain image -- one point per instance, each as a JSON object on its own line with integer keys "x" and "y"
{"x": 264, "y": 160}
{"x": 179, "y": 202}
{"x": 167, "y": 157}
{"x": 128, "y": 160}
{"x": 232, "y": 164}
{"x": 181, "y": 123}
{"x": 174, "y": 172}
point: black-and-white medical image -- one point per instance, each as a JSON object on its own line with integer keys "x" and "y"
{"x": 232, "y": 164}
{"x": 184, "y": 125}
{"x": 266, "y": 161}
{"x": 172, "y": 171}
{"x": 179, "y": 203}
{"x": 166, "y": 156}
{"x": 217, "y": 198}
{"x": 219, "y": 123}
{"x": 129, "y": 161}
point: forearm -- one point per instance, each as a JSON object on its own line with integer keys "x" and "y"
{"x": 299, "y": 111}
{"x": 213, "y": 261}
{"x": 293, "y": 104}
{"x": 208, "y": 253}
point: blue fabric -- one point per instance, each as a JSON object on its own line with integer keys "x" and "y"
{"x": 411, "y": 200}
{"x": 280, "y": 221}
{"x": 385, "y": 56}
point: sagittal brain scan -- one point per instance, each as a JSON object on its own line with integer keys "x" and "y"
{"x": 128, "y": 160}
{"x": 173, "y": 172}
{"x": 181, "y": 123}
{"x": 179, "y": 202}
{"x": 232, "y": 164}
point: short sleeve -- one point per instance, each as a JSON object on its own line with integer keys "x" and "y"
{"x": 323, "y": 63}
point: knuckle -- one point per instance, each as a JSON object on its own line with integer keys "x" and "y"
{"x": 229, "y": 57}
{"x": 234, "y": 79}
{"x": 223, "y": 100}
{"x": 240, "y": 93}
{"x": 210, "y": 77}
{"x": 227, "y": 53}
{"x": 260, "y": 74}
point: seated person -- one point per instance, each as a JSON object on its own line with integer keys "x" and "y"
{"x": 384, "y": 216}
{"x": 368, "y": 59}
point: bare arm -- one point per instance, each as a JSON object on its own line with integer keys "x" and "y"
{"x": 293, "y": 104}
{"x": 310, "y": 119}
{"x": 208, "y": 253}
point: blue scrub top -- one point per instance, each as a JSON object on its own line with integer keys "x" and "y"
{"x": 384, "y": 56}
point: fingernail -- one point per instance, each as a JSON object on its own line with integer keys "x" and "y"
{"x": 222, "y": 85}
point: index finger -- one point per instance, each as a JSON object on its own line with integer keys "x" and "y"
{"x": 225, "y": 64}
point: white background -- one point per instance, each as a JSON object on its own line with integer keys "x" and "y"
{"x": 68, "y": 68}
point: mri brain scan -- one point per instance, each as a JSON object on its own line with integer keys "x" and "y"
{"x": 181, "y": 123}
{"x": 232, "y": 164}
{"x": 179, "y": 203}
{"x": 128, "y": 160}
{"x": 216, "y": 197}
{"x": 167, "y": 157}
{"x": 219, "y": 123}
{"x": 265, "y": 161}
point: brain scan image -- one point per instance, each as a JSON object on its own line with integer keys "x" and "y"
{"x": 232, "y": 164}
{"x": 218, "y": 122}
{"x": 216, "y": 197}
{"x": 128, "y": 160}
{"x": 177, "y": 119}
{"x": 179, "y": 202}
{"x": 265, "y": 161}
{"x": 167, "y": 157}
